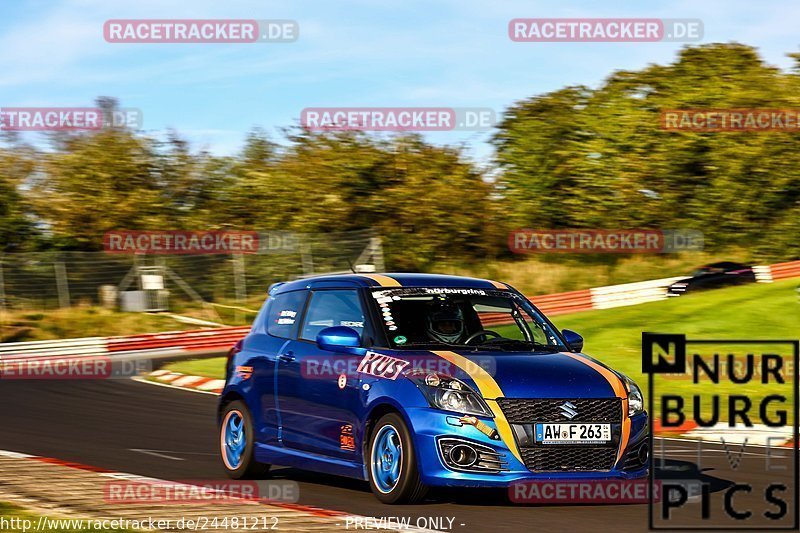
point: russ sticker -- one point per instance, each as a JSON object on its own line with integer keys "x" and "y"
{"x": 381, "y": 366}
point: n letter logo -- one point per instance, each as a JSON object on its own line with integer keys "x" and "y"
{"x": 663, "y": 353}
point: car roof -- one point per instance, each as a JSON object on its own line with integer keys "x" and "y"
{"x": 725, "y": 264}
{"x": 387, "y": 280}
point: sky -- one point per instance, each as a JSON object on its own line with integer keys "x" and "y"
{"x": 351, "y": 53}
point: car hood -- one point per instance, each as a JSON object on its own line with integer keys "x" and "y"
{"x": 535, "y": 374}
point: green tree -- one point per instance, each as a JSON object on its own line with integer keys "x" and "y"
{"x": 17, "y": 229}
{"x": 99, "y": 182}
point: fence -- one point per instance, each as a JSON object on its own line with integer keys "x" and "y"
{"x": 218, "y": 341}
{"x": 49, "y": 280}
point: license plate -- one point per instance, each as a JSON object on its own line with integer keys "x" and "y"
{"x": 573, "y": 433}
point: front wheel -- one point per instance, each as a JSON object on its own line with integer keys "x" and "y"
{"x": 237, "y": 443}
{"x": 392, "y": 465}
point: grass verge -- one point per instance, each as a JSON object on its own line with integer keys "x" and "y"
{"x": 213, "y": 367}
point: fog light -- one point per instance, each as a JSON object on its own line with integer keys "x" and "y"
{"x": 463, "y": 455}
{"x": 644, "y": 453}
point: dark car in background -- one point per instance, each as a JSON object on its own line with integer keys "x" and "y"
{"x": 715, "y": 275}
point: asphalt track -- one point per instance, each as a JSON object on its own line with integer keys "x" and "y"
{"x": 171, "y": 434}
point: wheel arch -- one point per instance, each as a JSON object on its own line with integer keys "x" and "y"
{"x": 381, "y": 407}
{"x": 228, "y": 397}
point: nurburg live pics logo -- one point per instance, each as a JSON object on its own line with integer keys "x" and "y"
{"x": 735, "y": 484}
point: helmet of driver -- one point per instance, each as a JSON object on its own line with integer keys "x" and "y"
{"x": 446, "y": 323}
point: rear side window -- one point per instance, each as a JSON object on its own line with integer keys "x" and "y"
{"x": 333, "y": 308}
{"x": 284, "y": 314}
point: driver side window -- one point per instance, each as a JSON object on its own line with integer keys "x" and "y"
{"x": 333, "y": 308}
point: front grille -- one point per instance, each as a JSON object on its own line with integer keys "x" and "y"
{"x": 527, "y": 411}
{"x": 568, "y": 458}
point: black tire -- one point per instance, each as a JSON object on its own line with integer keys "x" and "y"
{"x": 408, "y": 488}
{"x": 248, "y": 467}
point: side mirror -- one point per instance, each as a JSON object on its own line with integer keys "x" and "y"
{"x": 339, "y": 339}
{"x": 574, "y": 341}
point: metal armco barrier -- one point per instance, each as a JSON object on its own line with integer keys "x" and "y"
{"x": 218, "y": 341}
{"x": 202, "y": 339}
{"x": 631, "y": 293}
{"x": 763, "y": 274}
{"x": 565, "y": 302}
{"x": 148, "y": 346}
{"x": 785, "y": 270}
{"x": 56, "y": 348}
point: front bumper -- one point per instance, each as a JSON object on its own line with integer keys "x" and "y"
{"x": 430, "y": 425}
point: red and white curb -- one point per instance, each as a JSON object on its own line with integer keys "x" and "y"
{"x": 185, "y": 381}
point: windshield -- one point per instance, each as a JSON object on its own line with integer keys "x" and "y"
{"x": 434, "y": 318}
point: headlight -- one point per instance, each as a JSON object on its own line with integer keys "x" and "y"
{"x": 635, "y": 398}
{"x": 449, "y": 394}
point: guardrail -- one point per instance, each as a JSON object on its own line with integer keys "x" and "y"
{"x": 149, "y": 346}
{"x": 785, "y": 270}
{"x": 631, "y": 293}
{"x": 56, "y": 348}
{"x": 191, "y": 340}
{"x": 588, "y": 299}
{"x": 565, "y": 302}
{"x": 218, "y": 341}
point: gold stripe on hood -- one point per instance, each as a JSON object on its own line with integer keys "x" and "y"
{"x": 490, "y": 391}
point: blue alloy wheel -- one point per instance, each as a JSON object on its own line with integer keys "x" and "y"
{"x": 236, "y": 443}
{"x": 387, "y": 459}
{"x": 234, "y": 439}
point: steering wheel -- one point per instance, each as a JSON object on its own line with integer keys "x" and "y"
{"x": 480, "y": 333}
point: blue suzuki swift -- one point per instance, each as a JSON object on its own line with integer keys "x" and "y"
{"x": 412, "y": 381}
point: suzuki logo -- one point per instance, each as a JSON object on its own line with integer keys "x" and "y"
{"x": 568, "y": 410}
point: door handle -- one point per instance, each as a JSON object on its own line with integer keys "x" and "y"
{"x": 287, "y": 357}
